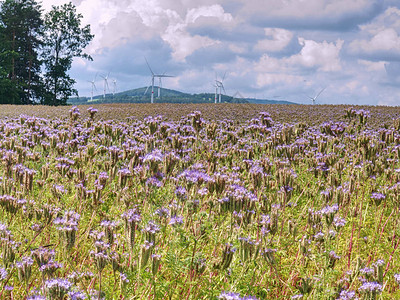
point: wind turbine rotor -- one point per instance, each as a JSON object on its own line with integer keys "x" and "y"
{"x": 314, "y": 99}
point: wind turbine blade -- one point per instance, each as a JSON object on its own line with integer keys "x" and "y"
{"x": 319, "y": 93}
{"x": 147, "y": 89}
{"x": 223, "y": 77}
{"x": 149, "y": 66}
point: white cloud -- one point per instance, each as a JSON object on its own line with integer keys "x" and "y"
{"x": 372, "y": 66}
{"x": 215, "y": 11}
{"x": 274, "y": 78}
{"x": 116, "y": 22}
{"x": 324, "y": 56}
{"x": 306, "y": 10}
{"x": 277, "y": 40}
{"x": 184, "y": 44}
{"x": 257, "y": 41}
{"x": 383, "y": 39}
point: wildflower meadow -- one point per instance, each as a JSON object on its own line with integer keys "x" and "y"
{"x": 202, "y": 205}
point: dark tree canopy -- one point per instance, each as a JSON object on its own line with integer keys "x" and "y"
{"x": 21, "y": 28}
{"x": 36, "y": 52}
{"x": 64, "y": 39}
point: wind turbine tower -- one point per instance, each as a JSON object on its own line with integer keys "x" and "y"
{"x": 216, "y": 91}
{"x": 105, "y": 84}
{"x": 114, "y": 86}
{"x": 93, "y": 87}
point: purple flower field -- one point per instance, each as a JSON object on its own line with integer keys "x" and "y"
{"x": 233, "y": 202}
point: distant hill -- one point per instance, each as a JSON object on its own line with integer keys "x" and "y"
{"x": 167, "y": 96}
{"x": 267, "y": 101}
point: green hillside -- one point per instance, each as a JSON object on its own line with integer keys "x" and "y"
{"x": 167, "y": 96}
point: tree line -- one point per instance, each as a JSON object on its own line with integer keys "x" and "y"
{"x": 37, "y": 50}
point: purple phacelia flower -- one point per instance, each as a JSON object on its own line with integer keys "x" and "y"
{"x": 346, "y": 295}
{"x": 370, "y": 287}
{"x": 3, "y": 274}
{"x": 377, "y": 196}
{"x": 176, "y": 220}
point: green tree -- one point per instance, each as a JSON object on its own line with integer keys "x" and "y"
{"x": 64, "y": 39}
{"x": 20, "y": 67}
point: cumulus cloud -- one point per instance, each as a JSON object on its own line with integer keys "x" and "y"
{"x": 383, "y": 37}
{"x": 325, "y": 14}
{"x": 277, "y": 40}
{"x": 116, "y": 22}
{"x": 290, "y": 48}
{"x": 324, "y": 56}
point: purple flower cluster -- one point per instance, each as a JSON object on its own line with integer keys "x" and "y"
{"x": 234, "y": 296}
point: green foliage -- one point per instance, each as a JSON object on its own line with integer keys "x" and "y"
{"x": 29, "y": 42}
{"x": 64, "y": 39}
{"x": 20, "y": 31}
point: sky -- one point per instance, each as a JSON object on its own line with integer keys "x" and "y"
{"x": 268, "y": 49}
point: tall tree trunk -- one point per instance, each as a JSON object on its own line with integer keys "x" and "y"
{"x": 13, "y": 59}
{"x": 28, "y": 100}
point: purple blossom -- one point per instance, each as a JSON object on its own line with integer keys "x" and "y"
{"x": 154, "y": 181}
{"x": 69, "y": 222}
{"x": 162, "y": 212}
{"x": 346, "y": 295}
{"x": 176, "y": 220}
{"x": 3, "y": 274}
{"x": 26, "y": 261}
{"x": 333, "y": 255}
{"x": 180, "y": 192}
{"x": 77, "y": 295}
{"x": 327, "y": 210}
{"x": 154, "y": 156}
{"x": 370, "y": 287}
{"x": 195, "y": 176}
{"x": 152, "y": 228}
{"x": 397, "y": 278}
{"x": 36, "y": 297}
{"x": 367, "y": 271}
{"x": 124, "y": 278}
{"x": 377, "y": 196}
{"x": 234, "y": 296}
{"x": 339, "y": 222}
{"x": 132, "y": 215}
{"x": 57, "y": 287}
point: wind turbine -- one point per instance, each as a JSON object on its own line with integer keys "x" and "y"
{"x": 153, "y": 75}
{"x": 216, "y": 91}
{"x": 93, "y": 86}
{"x": 219, "y": 85}
{"x": 105, "y": 84}
{"x": 114, "y": 86}
{"x": 315, "y": 98}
